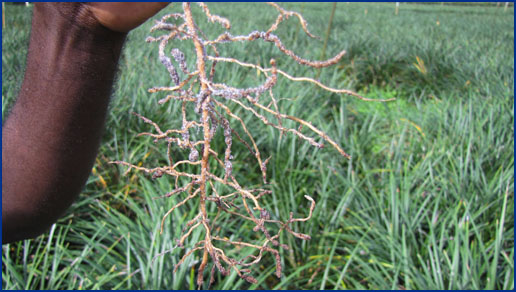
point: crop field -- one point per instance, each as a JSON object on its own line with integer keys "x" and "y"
{"x": 425, "y": 202}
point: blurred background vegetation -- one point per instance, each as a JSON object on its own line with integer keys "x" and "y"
{"x": 426, "y": 202}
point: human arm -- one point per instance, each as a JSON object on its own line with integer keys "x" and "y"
{"x": 51, "y": 137}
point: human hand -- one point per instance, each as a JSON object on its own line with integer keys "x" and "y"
{"x": 54, "y": 129}
{"x": 124, "y": 16}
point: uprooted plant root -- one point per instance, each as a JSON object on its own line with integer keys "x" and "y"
{"x": 210, "y": 103}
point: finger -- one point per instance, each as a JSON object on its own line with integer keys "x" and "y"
{"x": 124, "y": 16}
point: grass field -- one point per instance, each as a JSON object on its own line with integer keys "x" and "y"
{"x": 426, "y": 202}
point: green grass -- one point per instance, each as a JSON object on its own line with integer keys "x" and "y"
{"x": 426, "y": 202}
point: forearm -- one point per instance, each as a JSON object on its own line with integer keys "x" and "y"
{"x": 50, "y": 139}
